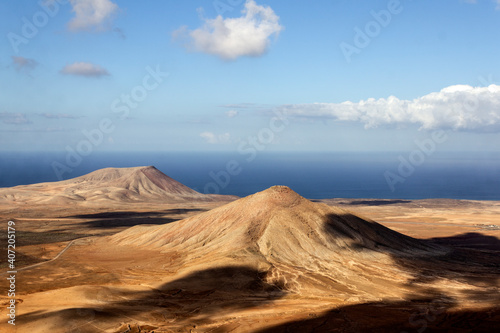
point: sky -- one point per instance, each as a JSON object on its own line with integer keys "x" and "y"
{"x": 233, "y": 75}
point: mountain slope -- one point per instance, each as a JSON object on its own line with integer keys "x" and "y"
{"x": 298, "y": 243}
{"x": 116, "y": 184}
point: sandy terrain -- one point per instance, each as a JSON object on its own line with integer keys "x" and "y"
{"x": 272, "y": 262}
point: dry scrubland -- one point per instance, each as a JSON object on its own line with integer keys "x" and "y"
{"x": 145, "y": 253}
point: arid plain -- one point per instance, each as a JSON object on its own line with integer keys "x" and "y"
{"x": 132, "y": 250}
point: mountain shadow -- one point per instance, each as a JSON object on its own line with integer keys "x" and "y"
{"x": 472, "y": 240}
{"x": 132, "y": 214}
{"x": 376, "y": 202}
{"x": 413, "y": 316}
{"x": 426, "y": 260}
{"x": 107, "y": 220}
{"x": 193, "y": 299}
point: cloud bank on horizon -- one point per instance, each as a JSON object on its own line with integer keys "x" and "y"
{"x": 458, "y": 107}
{"x": 231, "y": 38}
{"x": 14, "y": 118}
{"x": 213, "y": 138}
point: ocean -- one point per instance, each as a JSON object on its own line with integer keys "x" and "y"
{"x": 388, "y": 175}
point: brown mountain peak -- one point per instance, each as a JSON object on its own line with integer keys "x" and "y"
{"x": 133, "y": 184}
{"x": 279, "y": 195}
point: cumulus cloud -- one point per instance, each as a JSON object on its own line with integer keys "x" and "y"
{"x": 92, "y": 15}
{"x": 213, "y": 138}
{"x": 84, "y": 69}
{"x": 14, "y": 118}
{"x": 22, "y": 63}
{"x": 459, "y": 107}
{"x": 231, "y": 38}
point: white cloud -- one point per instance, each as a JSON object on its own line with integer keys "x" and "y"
{"x": 39, "y": 130}
{"x": 475, "y": 2}
{"x": 231, "y": 38}
{"x": 232, "y": 113}
{"x": 92, "y": 15}
{"x": 14, "y": 118}
{"x": 241, "y": 106}
{"x": 213, "y": 138}
{"x": 22, "y": 63}
{"x": 84, "y": 69}
{"x": 459, "y": 107}
{"x": 58, "y": 116}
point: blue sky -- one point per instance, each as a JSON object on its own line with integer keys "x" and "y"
{"x": 293, "y": 75}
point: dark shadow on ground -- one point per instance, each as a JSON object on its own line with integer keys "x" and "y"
{"x": 477, "y": 267}
{"x": 425, "y": 260}
{"x": 202, "y": 294}
{"x": 375, "y": 202}
{"x": 431, "y": 315}
{"x": 473, "y": 240}
{"x": 370, "y": 235}
{"x": 108, "y": 220}
{"x": 21, "y": 261}
{"x": 132, "y": 214}
{"x": 369, "y": 202}
{"x": 25, "y": 238}
{"x": 123, "y": 222}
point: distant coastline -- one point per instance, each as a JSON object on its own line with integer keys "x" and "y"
{"x": 471, "y": 176}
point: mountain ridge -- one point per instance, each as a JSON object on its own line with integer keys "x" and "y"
{"x": 281, "y": 233}
{"x": 135, "y": 184}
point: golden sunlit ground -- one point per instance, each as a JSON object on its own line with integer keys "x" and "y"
{"x": 96, "y": 286}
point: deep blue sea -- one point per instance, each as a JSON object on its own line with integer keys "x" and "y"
{"x": 313, "y": 175}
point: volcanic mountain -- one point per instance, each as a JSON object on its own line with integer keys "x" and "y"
{"x": 273, "y": 260}
{"x": 296, "y": 244}
{"x": 136, "y": 184}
